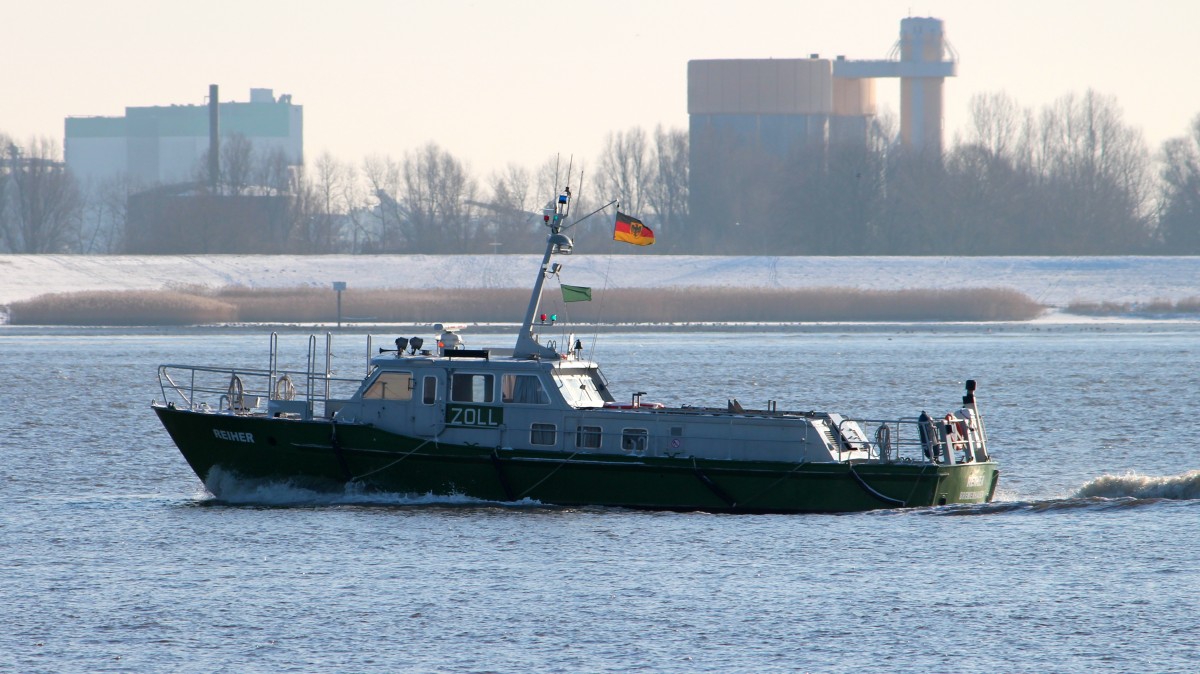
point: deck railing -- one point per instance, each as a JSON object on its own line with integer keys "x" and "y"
{"x": 308, "y": 393}
{"x": 250, "y": 391}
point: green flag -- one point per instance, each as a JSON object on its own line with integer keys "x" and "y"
{"x": 576, "y": 294}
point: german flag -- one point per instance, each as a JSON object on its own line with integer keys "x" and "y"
{"x": 631, "y": 230}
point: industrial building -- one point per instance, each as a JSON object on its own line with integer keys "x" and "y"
{"x": 159, "y": 145}
{"x": 778, "y": 105}
{"x": 750, "y": 119}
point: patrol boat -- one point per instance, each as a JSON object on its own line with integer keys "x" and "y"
{"x": 539, "y": 423}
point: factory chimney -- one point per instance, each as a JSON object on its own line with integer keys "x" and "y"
{"x": 214, "y": 139}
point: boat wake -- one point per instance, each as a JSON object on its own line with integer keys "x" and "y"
{"x": 1183, "y": 487}
{"x": 1107, "y": 492}
{"x": 227, "y": 488}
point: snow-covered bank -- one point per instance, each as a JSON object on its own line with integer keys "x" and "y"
{"x": 1056, "y": 281}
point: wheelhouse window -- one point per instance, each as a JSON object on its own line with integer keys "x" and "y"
{"x": 429, "y": 394}
{"x": 391, "y": 386}
{"x": 587, "y": 437}
{"x": 579, "y": 387}
{"x": 634, "y": 439}
{"x": 525, "y": 389}
{"x": 543, "y": 434}
{"x": 466, "y": 387}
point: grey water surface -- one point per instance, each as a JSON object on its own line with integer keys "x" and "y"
{"x": 113, "y": 557}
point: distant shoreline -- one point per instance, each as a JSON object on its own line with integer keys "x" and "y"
{"x": 1053, "y": 281}
{"x": 664, "y": 306}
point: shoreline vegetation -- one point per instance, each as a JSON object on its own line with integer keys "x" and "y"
{"x": 239, "y": 304}
{"x": 1158, "y": 307}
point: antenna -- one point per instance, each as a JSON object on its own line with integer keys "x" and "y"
{"x": 570, "y": 165}
{"x": 580, "y": 195}
{"x": 557, "y": 165}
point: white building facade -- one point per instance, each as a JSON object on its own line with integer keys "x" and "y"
{"x": 167, "y": 144}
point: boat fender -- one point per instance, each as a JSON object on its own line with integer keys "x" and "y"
{"x": 928, "y": 436}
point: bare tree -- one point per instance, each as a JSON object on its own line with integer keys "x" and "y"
{"x": 382, "y": 175}
{"x": 273, "y": 172}
{"x": 995, "y": 124}
{"x": 8, "y": 170}
{"x": 1179, "y": 197}
{"x": 237, "y": 163}
{"x": 667, "y": 193}
{"x": 41, "y": 200}
{"x": 437, "y": 193}
{"x": 1096, "y": 166}
{"x": 512, "y": 209}
{"x": 328, "y": 187}
{"x": 625, "y": 168}
{"x": 105, "y": 215}
{"x": 991, "y": 182}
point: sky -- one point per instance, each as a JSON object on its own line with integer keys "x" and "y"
{"x": 522, "y": 81}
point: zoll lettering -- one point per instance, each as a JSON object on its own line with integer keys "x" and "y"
{"x": 474, "y": 416}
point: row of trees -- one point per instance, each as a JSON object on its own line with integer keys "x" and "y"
{"x": 1071, "y": 179}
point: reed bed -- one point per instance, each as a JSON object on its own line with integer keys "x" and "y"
{"x": 1156, "y": 307}
{"x": 102, "y": 307}
{"x": 192, "y": 305}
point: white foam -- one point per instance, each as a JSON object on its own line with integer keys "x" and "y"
{"x": 1185, "y": 486}
{"x": 228, "y": 487}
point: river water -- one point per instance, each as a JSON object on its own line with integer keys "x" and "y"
{"x": 115, "y": 559}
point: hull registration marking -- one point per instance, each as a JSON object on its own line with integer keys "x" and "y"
{"x": 233, "y": 436}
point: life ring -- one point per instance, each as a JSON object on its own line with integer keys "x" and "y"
{"x": 957, "y": 424}
{"x": 956, "y": 432}
{"x": 236, "y": 393}
{"x": 285, "y": 389}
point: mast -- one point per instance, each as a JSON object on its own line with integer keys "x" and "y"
{"x": 553, "y": 216}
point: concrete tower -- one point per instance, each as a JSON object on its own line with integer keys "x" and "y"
{"x": 922, "y": 62}
{"x": 923, "y": 69}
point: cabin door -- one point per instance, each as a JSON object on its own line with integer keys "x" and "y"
{"x": 429, "y": 405}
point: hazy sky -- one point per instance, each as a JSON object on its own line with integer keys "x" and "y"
{"x": 521, "y": 80}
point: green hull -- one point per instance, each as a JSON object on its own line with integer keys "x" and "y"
{"x": 325, "y": 456}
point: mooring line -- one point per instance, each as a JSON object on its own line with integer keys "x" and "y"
{"x": 382, "y": 468}
{"x": 774, "y": 484}
{"x": 867, "y": 488}
{"x": 537, "y": 484}
{"x": 713, "y": 487}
